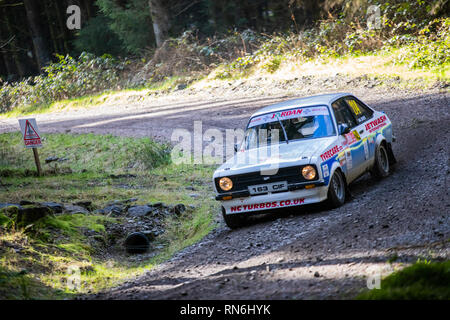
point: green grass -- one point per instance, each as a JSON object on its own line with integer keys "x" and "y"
{"x": 420, "y": 281}
{"x": 85, "y": 152}
{"x": 100, "y": 169}
{"x": 16, "y": 285}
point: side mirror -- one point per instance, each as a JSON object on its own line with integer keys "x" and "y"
{"x": 343, "y": 129}
{"x": 236, "y": 146}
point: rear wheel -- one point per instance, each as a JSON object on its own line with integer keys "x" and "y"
{"x": 381, "y": 167}
{"x": 336, "y": 190}
{"x": 233, "y": 221}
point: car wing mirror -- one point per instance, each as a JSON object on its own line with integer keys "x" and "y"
{"x": 236, "y": 146}
{"x": 343, "y": 129}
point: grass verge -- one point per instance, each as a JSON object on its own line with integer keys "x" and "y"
{"x": 423, "y": 280}
{"x": 35, "y": 262}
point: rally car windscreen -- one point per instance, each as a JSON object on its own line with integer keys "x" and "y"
{"x": 295, "y": 124}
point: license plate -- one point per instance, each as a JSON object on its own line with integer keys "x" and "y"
{"x": 268, "y": 187}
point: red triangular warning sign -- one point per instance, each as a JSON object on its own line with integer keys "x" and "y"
{"x": 30, "y": 133}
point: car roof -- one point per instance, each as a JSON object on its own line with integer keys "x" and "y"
{"x": 302, "y": 102}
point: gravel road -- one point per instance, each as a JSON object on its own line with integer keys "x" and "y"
{"x": 306, "y": 253}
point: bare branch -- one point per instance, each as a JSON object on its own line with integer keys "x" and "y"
{"x": 7, "y": 42}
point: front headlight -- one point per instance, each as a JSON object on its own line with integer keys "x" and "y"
{"x": 309, "y": 173}
{"x": 225, "y": 184}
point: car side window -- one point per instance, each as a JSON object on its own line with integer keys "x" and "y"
{"x": 361, "y": 112}
{"x": 343, "y": 114}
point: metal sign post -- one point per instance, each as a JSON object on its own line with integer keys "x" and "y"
{"x": 32, "y": 139}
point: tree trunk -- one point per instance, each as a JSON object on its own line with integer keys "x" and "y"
{"x": 160, "y": 19}
{"x": 62, "y": 25}
{"x": 5, "y": 39}
{"x": 51, "y": 27}
{"x": 37, "y": 34}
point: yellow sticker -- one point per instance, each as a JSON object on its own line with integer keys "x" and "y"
{"x": 356, "y": 134}
{"x": 354, "y": 106}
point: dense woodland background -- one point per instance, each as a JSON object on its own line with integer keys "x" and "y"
{"x": 33, "y": 31}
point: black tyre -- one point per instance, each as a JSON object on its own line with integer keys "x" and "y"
{"x": 381, "y": 167}
{"x": 233, "y": 221}
{"x": 337, "y": 190}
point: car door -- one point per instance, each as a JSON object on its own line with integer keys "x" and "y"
{"x": 343, "y": 115}
{"x": 366, "y": 145}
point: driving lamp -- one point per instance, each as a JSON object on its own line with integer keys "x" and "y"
{"x": 308, "y": 172}
{"x": 225, "y": 184}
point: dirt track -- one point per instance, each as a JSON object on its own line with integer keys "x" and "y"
{"x": 309, "y": 253}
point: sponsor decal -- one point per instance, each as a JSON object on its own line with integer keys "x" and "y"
{"x": 366, "y": 150}
{"x": 376, "y": 124}
{"x": 325, "y": 170}
{"x": 328, "y": 154}
{"x": 348, "y": 157}
{"x": 350, "y": 138}
{"x": 288, "y": 114}
{"x": 255, "y": 119}
{"x": 267, "y": 205}
{"x": 354, "y": 106}
{"x": 356, "y": 134}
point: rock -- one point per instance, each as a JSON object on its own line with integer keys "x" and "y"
{"x": 56, "y": 207}
{"x": 181, "y": 86}
{"x": 121, "y": 176}
{"x": 130, "y": 200}
{"x": 26, "y": 203}
{"x": 316, "y": 274}
{"x": 72, "y": 209}
{"x": 4, "y": 205}
{"x": 151, "y": 234}
{"x": 85, "y": 204}
{"x": 30, "y": 214}
{"x": 179, "y": 209}
{"x": 140, "y": 211}
{"x": 53, "y": 159}
{"x": 114, "y": 210}
{"x": 10, "y": 211}
{"x": 194, "y": 195}
{"x": 158, "y": 205}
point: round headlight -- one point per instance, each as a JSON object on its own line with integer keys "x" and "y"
{"x": 225, "y": 184}
{"x": 309, "y": 173}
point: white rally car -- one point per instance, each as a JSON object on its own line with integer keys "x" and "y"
{"x": 303, "y": 151}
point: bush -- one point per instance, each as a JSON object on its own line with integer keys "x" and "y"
{"x": 67, "y": 78}
{"x": 187, "y": 55}
{"x": 428, "y": 50}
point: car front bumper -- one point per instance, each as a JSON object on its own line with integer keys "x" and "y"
{"x": 299, "y": 195}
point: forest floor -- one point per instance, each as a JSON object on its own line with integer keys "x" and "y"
{"x": 311, "y": 252}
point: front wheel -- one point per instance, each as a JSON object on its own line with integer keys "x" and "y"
{"x": 233, "y": 221}
{"x": 336, "y": 190}
{"x": 381, "y": 166}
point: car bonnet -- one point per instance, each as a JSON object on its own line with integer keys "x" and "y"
{"x": 289, "y": 154}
